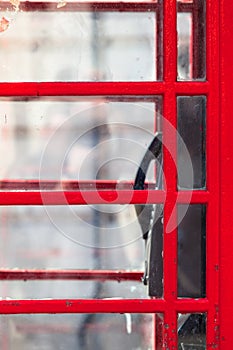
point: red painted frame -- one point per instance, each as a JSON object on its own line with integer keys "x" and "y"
{"x": 226, "y": 157}
{"x": 218, "y": 302}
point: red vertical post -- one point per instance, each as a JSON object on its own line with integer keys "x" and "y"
{"x": 159, "y": 41}
{"x": 226, "y": 213}
{"x": 169, "y": 139}
{"x": 213, "y": 180}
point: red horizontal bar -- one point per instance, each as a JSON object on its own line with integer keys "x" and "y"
{"x": 192, "y": 196}
{"x": 126, "y": 6}
{"x": 191, "y": 305}
{"x": 53, "y": 6}
{"x": 86, "y": 275}
{"x": 81, "y": 306}
{"x": 100, "y": 306}
{"x": 67, "y": 185}
{"x": 35, "y": 89}
{"x": 99, "y": 197}
{"x": 80, "y": 197}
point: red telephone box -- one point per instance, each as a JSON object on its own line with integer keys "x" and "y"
{"x": 93, "y": 81}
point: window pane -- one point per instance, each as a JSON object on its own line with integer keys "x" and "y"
{"x": 150, "y": 218}
{"x": 79, "y": 46}
{"x": 156, "y": 255}
{"x": 191, "y": 112}
{"x": 63, "y": 289}
{"x": 191, "y": 331}
{"x": 191, "y": 251}
{"x": 74, "y": 138}
{"x": 81, "y": 331}
{"x": 184, "y": 23}
{"x": 77, "y": 237}
{"x": 191, "y": 24}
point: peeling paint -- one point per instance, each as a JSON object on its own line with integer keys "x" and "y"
{"x": 15, "y": 3}
{"x": 61, "y": 4}
{"x": 4, "y": 24}
{"x": 6, "y": 20}
{"x": 68, "y": 303}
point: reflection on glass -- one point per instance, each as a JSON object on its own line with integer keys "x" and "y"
{"x": 191, "y": 111}
{"x": 191, "y": 251}
{"x": 184, "y": 23}
{"x": 191, "y": 331}
{"x": 79, "y": 46}
{"x": 191, "y": 62}
{"x": 78, "y": 139}
{"x": 80, "y": 331}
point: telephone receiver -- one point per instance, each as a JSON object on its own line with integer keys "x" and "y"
{"x": 150, "y": 218}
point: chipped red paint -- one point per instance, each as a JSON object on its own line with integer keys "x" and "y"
{"x": 109, "y": 305}
{"x": 213, "y": 179}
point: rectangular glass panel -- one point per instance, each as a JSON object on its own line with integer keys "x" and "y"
{"x": 192, "y": 251}
{"x": 62, "y": 289}
{"x": 191, "y": 114}
{"x": 150, "y": 218}
{"x": 191, "y": 331}
{"x": 90, "y": 237}
{"x": 156, "y": 254}
{"x": 191, "y": 31}
{"x": 78, "y": 45}
{"x": 80, "y": 331}
{"x": 184, "y": 26}
{"x": 73, "y": 138}
{"x": 72, "y": 237}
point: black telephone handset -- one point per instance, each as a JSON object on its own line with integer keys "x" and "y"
{"x": 150, "y": 218}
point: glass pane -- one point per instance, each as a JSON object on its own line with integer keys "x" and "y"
{"x": 191, "y": 24}
{"x": 78, "y": 45}
{"x": 81, "y": 331}
{"x": 184, "y": 27}
{"x": 192, "y": 251}
{"x": 62, "y": 289}
{"x": 77, "y": 237}
{"x": 155, "y": 260}
{"x": 191, "y": 331}
{"x": 150, "y": 218}
{"x": 191, "y": 127}
{"x": 98, "y": 237}
{"x": 76, "y": 139}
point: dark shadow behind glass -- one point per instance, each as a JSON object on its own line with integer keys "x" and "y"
{"x": 192, "y": 251}
{"x": 191, "y": 115}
